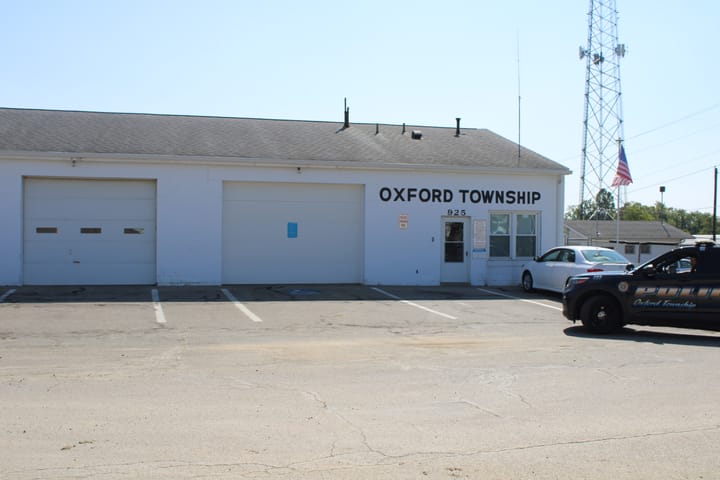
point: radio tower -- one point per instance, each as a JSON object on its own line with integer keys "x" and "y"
{"x": 603, "y": 122}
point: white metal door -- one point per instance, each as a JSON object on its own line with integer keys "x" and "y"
{"x": 456, "y": 250}
{"x": 292, "y": 233}
{"x": 89, "y": 232}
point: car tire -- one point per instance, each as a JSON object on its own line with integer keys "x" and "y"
{"x": 601, "y": 314}
{"x": 527, "y": 282}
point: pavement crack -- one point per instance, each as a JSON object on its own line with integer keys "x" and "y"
{"x": 479, "y": 407}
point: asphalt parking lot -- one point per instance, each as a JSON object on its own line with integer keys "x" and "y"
{"x": 344, "y": 381}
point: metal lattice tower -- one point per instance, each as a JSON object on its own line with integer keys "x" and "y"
{"x": 603, "y": 122}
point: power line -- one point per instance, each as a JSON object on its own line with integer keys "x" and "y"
{"x": 703, "y": 170}
{"x": 673, "y": 122}
{"x": 660, "y": 127}
{"x": 676, "y": 139}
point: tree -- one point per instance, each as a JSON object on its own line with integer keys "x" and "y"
{"x": 605, "y": 205}
{"x": 695, "y": 223}
{"x": 602, "y": 208}
{"x": 636, "y": 211}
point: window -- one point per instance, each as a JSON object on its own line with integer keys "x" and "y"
{"x": 134, "y": 231}
{"x": 91, "y": 230}
{"x": 526, "y": 237}
{"x": 552, "y": 256}
{"x": 454, "y": 242}
{"x": 644, "y": 248}
{"x": 46, "y": 230}
{"x": 500, "y": 235}
{"x": 629, "y": 249}
{"x": 513, "y": 235}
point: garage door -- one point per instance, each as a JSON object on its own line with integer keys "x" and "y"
{"x": 292, "y": 233}
{"x": 89, "y": 232}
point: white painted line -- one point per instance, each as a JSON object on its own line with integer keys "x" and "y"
{"x": 6, "y": 295}
{"x": 521, "y": 299}
{"x": 240, "y": 306}
{"x": 159, "y": 315}
{"x": 407, "y": 302}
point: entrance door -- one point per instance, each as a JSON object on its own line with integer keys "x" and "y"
{"x": 456, "y": 250}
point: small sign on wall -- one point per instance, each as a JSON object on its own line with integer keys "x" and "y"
{"x": 403, "y": 221}
{"x": 479, "y": 238}
{"x": 292, "y": 230}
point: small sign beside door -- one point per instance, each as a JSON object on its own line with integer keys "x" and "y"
{"x": 403, "y": 221}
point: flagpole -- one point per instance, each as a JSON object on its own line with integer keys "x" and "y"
{"x": 617, "y": 220}
{"x": 617, "y": 211}
{"x": 622, "y": 178}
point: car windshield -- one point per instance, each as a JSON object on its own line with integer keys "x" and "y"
{"x": 603, "y": 256}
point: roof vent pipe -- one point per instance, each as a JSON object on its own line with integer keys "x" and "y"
{"x": 457, "y": 130}
{"x": 347, "y": 116}
{"x": 403, "y": 129}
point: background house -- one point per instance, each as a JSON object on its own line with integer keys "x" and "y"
{"x": 639, "y": 241}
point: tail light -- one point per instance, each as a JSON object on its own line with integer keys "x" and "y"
{"x": 592, "y": 270}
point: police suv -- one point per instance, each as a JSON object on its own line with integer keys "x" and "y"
{"x": 680, "y": 288}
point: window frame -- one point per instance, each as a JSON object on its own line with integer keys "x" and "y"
{"x": 514, "y": 235}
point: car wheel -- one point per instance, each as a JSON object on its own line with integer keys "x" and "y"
{"x": 601, "y": 314}
{"x": 527, "y": 282}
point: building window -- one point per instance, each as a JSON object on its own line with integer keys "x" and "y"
{"x": 629, "y": 249}
{"x": 513, "y": 233}
{"x": 645, "y": 249}
{"x": 526, "y": 239}
{"x": 91, "y": 230}
{"x": 134, "y": 231}
{"x": 500, "y": 235}
{"x": 46, "y": 230}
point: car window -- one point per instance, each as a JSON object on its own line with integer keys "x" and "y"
{"x": 603, "y": 256}
{"x": 677, "y": 264}
{"x": 551, "y": 256}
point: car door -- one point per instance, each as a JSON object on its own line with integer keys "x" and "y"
{"x": 565, "y": 268}
{"x": 544, "y": 272}
{"x": 669, "y": 293}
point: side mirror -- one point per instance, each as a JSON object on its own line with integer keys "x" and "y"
{"x": 536, "y": 258}
{"x": 629, "y": 267}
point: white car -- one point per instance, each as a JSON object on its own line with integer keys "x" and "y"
{"x": 551, "y": 270}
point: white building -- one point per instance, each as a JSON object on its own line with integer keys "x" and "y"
{"x": 639, "y": 241}
{"x": 108, "y": 198}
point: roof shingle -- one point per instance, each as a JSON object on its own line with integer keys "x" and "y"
{"x": 58, "y": 131}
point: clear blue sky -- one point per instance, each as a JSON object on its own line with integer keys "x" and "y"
{"x": 420, "y": 62}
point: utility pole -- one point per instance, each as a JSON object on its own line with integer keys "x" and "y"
{"x": 714, "y": 223}
{"x": 603, "y": 121}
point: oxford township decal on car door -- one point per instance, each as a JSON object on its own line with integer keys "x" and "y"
{"x": 675, "y": 298}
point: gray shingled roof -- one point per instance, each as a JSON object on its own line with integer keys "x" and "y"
{"x": 87, "y": 133}
{"x": 630, "y": 231}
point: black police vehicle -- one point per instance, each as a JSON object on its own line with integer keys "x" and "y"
{"x": 680, "y": 288}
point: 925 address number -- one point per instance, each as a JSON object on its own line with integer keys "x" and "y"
{"x": 456, "y": 213}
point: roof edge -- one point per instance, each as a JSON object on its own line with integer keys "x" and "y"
{"x": 261, "y": 162}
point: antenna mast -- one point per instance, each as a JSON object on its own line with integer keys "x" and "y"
{"x": 603, "y": 121}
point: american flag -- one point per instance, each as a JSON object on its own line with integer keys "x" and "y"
{"x": 622, "y": 176}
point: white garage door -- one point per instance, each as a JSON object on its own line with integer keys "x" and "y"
{"x": 292, "y": 233}
{"x": 89, "y": 232}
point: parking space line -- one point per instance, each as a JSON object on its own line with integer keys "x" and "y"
{"x": 240, "y": 306}
{"x": 407, "y": 302}
{"x": 159, "y": 314}
{"x": 521, "y": 299}
{"x": 5, "y": 295}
